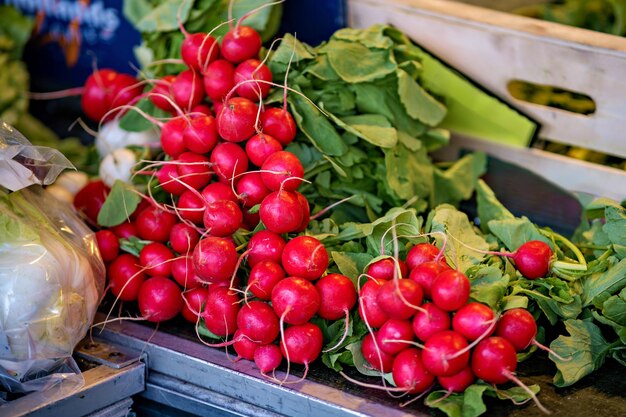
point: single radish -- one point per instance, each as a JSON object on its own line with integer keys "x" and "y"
{"x": 533, "y": 259}
{"x": 183, "y": 273}
{"x": 440, "y": 353}
{"x": 377, "y": 358}
{"x": 517, "y": 326}
{"x": 386, "y": 269}
{"x": 229, "y": 161}
{"x": 183, "y": 238}
{"x": 154, "y": 223}
{"x": 187, "y": 89}
{"x": 200, "y": 136}
{"x": 108, "y": 245}
{"x": 369, "y": 310}
{"x": 200, "y": 110}
{"x": 237, "y": 119}
{"x": 125, "y": 230}
{"x": 400, "y": 298}
{"x": 295, "y": 300}
{"x": 222, "y": 218}
{"x": 198, "y": 50}
{"x": 265, "y": 246}
{"x": 159, "y": 299}
{"x": 420, "y": 253}
{"x": 306, "y": 212}
{"x": 264, "y": 276}
{"x": 89, "y": 200}
{"x": 244, "y": 346}
{"x": 429, "y": 321}
{"x": 124, "y": 90}
{"x": 260, "y": 146}
{"x": 251, "y": 189}
{"x": 267, "y": 358}
{"x": 450, "y": 290}
{"x": 394, "y": 336}
{"x": 241, "y": 43}
{"x": 215, "y": 259}
{"x": 125, "y": 277}
{"x": 220, "y": 311}
{"x": 168, "y": 179}
{"x": 218, "y": 191}
{"x": 218, "y": 79}
{"x": 245, "y": 74}
{"x": 408, "y": 371}
{"x": 279, "y": 124}
{"x": 156, "y": 259}
{"x": 305, "y": 257}
{"x": 337, "y": 294}
{"x": 474, "y": 320}
{"x": 194, "y": 300}
{"x": 281, "y": 212}
{"x": 172, "y": 136}
{"x": 163, "y": 87}
{"x": 424, "y": 274}
{"x": 258, "y": 321}
{"x": 191, "y": 207}
{"x": 194, "y": 169}
{"x": 302, "y": 343}
{"x": 282, "y": 170}
{"x": 95, "y": 99}
{"x": 459, "y": 381}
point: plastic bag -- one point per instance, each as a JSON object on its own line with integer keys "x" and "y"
{"x": 51, "y": 274}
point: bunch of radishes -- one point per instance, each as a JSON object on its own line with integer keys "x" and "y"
{"x": 425, "y": 330}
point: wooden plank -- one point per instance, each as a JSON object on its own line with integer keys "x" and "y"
{"x": 492, "y": 48}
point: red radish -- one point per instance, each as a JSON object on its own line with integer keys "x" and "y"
{"x": 258, "y": 321}
{"x": 215, "y": 259}
{"x": 193, "y": 305}
{"x": 440, "y": 353}
{"x": 156, "y": 259}
{"x": 282, "y": 170}
{"x": 420, "y": 253}
{"x": 260, "y": 146}
{"x": 425, "y": 273}
{"x": 251, "y": 219}
{"x": 237, "y": 120}
{"x": 251, "y": 189}
{"x": 337, "y": 294}
{"x": 124, "y": 90}
{"x": 218, "y": 191}
{"x": 385, "y": 269}
{"x": 450, "y": 290}
{"x": 305, "y": 257}
{"x": 302, "y": 343}
{"x": 96, "y": 100}
{"x": 108, "y": 245}
{"x": 187, "y": 89}
{"x": 220, "y": 311}
{"x": 264, "y": 275}
{"x": 279, "y": 124}
{"x": 89, "y": 200}
{"x": 517, "y": 326}
{"x": 408, "y": 372}
{"x": 222, "y": 218}
{"x": 369, "y": 310}
{"x": 125, "y": 230}
{"x": 143, "y": 204}
{"x": 168, "y": 179}
{"x": 459, "y": 381}
{"x": 183, "y": 274}
{"x": 379, "y": 360}
{"x": 474, "y": 320}
{"x": 400, "y": 298}
{"x": 265, "y": 246}
{"x": 429, "y": 321}
{"x": 244, "y": 347}
{"x": 229, "y": 161}
{"x": 394, "y": 336}
{"x": 155, "y": 224}
{"x": 183, "y": 238}
{"x": 163, "y": 87}
{"x": 191, "y": 207}
{"x": 533, "y": 259}
{"x": 172, "y": 136}
{"x": 219, "y": 79}
{"x": 200, "y": 110}
{"x": 295, "y": 299}
{"x": 246, "y": 72}
{"x": 193, "y": 169}
{"x": 267, "y": 358}
{"x": 200, "y": 136}
{"x": 241, "y": 43}
{"x": 159, "y": 299}
{"x": 198, "y": 50}
{"x": 125, "y": 277}
{"x": 494, "y": 360}
{"x": 281, "y": 212}
{"x": 306, "y": 212}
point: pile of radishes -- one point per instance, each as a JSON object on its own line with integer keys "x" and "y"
{"x": 424, "y": 329}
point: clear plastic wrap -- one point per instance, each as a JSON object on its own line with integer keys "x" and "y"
{"x": 51, "y": 274}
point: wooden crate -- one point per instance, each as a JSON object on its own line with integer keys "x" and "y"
{"x": 493, "y": 48}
